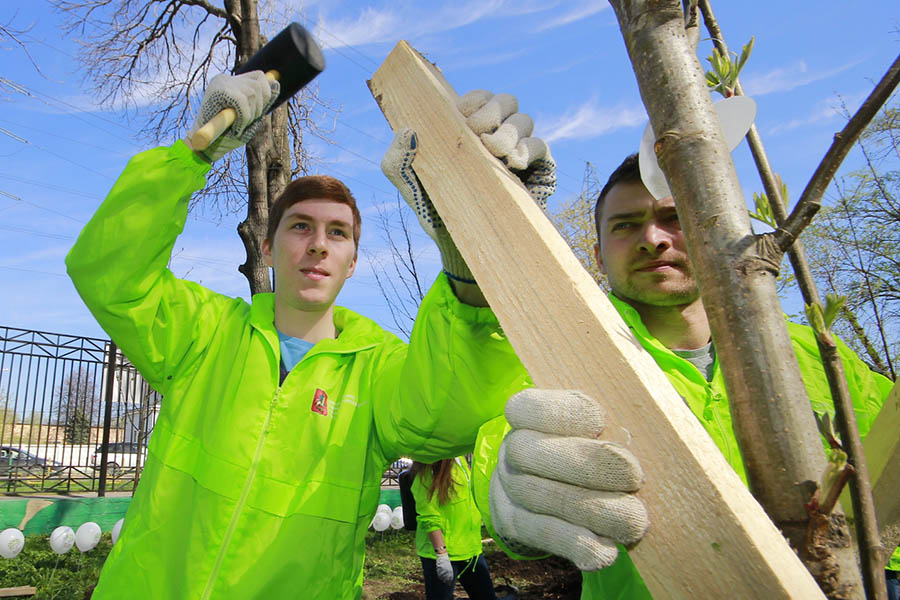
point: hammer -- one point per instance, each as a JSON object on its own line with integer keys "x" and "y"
{"x": 292, "y": 58}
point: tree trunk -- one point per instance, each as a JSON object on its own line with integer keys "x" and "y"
{"x": 736, "y": 271}
{"x": 267, "y": 155}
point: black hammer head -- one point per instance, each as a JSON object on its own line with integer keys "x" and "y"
{"x": 294, "y": 54}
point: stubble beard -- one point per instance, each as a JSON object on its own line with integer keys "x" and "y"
{"x": 663, "y": 290}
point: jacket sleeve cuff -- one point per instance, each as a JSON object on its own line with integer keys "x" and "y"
{"x": 482, "y": 315}
{"x": 196, "y": 163}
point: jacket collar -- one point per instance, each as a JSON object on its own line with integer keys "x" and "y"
{"x": 355, "y": 332}
{"x": 633, "y": 319}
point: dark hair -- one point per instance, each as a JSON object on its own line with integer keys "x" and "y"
{"x": 441, "y": 478}
{"x": 309, "y": 188}
{"x": 628, "y": 172}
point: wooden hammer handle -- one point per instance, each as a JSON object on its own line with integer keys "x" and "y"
{"x": 216, "y": 126}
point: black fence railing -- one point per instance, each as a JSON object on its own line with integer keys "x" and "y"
{"x": 392, "y": 474}
{"x": 64, "y": 399}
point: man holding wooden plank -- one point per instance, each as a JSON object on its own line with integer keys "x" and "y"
{"x": 642, "y": 251}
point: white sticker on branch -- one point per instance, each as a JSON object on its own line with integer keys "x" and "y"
{"x": 736, "y": 115}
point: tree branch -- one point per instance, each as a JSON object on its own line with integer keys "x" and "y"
{"x": 811, "y": 200}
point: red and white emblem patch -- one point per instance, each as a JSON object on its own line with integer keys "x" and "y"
{"x": 320, "y": 402}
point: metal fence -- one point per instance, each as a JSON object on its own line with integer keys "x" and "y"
{"x": 76, "y": 415}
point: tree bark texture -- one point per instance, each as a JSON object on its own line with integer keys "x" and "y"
{"x": 267, "y": 155}
{"x": 736, "y": 270}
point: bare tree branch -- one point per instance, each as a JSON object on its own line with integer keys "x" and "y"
{"x": 403, "y": 291}
{"x": 155, "y": 57}
{"x": 8, "y": 32}
{"x": 811, "y": 200}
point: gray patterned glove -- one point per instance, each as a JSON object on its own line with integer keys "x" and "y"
{"x": 538, "y": 171}
{"x": 444, "y": 568}
{"x": 559, "y": 488}
{"x": 249, "y": 94}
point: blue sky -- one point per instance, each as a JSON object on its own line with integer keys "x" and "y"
{"x": 565, "y": 61}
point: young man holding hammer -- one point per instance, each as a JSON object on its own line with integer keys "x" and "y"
{"x": 279, "y": 416}
{"x": 641, "y": 249}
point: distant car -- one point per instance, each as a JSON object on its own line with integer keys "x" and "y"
{"x": 119, "y": 457}
{"x": 27, "y": 463}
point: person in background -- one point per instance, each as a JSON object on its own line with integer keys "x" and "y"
{"x": 448, "y": 531}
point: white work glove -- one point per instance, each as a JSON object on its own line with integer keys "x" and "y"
{"x": 506, "y": 133}
{"x": 249, "y": 94}
{"x": 538, "y": 174}
{"x": 558, "y": 488}
{"x": 444, "y": 568}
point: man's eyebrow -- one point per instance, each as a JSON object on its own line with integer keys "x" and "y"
{"x": 298, "y": 216}
{"x": 629, "y": 215}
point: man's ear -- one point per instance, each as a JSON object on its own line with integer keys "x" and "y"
{"x": 599, "y": 258}
{"x": 352, "y": 268}
{"x": 267, "y": 252}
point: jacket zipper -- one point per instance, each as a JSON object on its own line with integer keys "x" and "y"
{"x": 251, "y": 475}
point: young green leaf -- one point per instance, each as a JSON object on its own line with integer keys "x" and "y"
{"x": 833, "y": 304}
{"x": 763, "y": 212}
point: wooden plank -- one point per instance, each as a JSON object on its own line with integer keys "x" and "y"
{"x": 708, "y": 537}
{"x": 23, "y": 590}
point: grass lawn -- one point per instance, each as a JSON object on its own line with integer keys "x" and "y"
{"x": 392, "y": 570}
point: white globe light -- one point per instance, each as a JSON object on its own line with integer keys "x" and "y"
{"x": 87, "y": 536}
{"x": 62, "y": 539}
{"x": 383, "y": 508}
{"x": 397, "y": 518}
{"x": 11, "y": 542}
{"x": 117, "y": 528}
{"x": 382, "y": 521}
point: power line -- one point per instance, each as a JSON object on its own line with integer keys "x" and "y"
{"x": 37, "y": 233}
{"x": 187, "y": 257}
{"x": 33, "y": 271}
{"x": 346, "y": 45}
{"x": 62, "y": 137}
{"x": 35, "y": 205}
{"x": 25, "y": 91}
{"x": 31, "y": 38}
{"x": 347, "y": 125}
{"x": 49, "y": 186}
{"x": 343, "y": 176}
{"x": 345, "y": 55}
{"x": 57, "y": 155}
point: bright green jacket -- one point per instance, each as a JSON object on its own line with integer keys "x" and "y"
{"x": 458, "y": 519}
{"x": 708, "y": 402}
{"x": 255, "y": 489}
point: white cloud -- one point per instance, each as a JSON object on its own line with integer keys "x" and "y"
{"x": 490, "y": 58}
{"x": 788, "y": 77}
{"x": 589, "y": 121}
{"x": 407, "y": 20}
{"x": 578, "y": 13}
{"x": 54, "y": 255}
{"x": 829, "y": 109}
